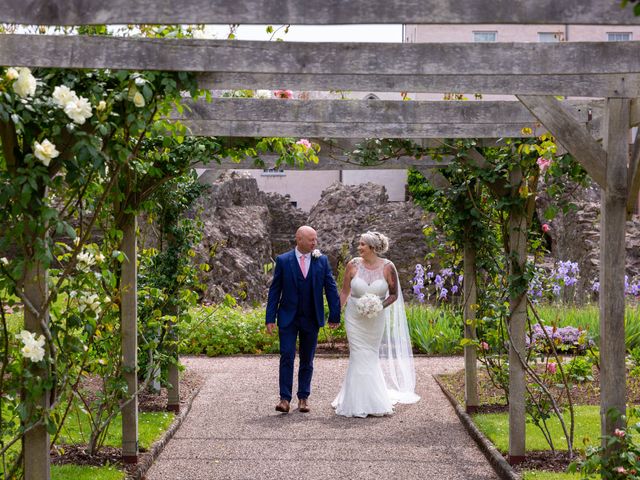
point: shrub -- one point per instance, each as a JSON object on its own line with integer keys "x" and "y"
{"x": 225, "y": 330}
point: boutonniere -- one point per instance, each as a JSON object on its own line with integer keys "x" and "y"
{"x": 316, "y": 253}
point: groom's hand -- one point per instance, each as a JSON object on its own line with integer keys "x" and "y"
{"x": 333, "y": 325}
{"x": 270, "y": 328}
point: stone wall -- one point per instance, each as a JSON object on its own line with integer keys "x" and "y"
{"x": 245, "y": 229}
{"x": 575, "y": 235}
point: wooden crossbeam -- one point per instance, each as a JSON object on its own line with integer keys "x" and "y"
{"x": 243, "y": 117}
{"x": 319, "y": 12}
{"x": 559, "y": 69}
{"x": 570, "y": 133}
{"x": 337, "y": 162}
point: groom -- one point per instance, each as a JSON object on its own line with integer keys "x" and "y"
{"x": 295, "y": 299}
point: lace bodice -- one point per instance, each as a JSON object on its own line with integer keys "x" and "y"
{"x": 369, "y": 280}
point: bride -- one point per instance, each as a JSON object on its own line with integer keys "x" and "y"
{"x": 381, "y": 371}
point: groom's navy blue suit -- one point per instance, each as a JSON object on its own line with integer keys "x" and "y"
{"x": 296, "y": 303}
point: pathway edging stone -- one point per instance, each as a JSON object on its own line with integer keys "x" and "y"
{"x": 157, "y": 447}
{"x": 497, "y": 461}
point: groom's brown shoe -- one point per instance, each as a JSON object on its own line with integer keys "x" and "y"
{"x": 283, "y": 406}
{"x": 303, "y": 406}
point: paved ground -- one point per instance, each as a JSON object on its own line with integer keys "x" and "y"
{"x": 233, "y": 431}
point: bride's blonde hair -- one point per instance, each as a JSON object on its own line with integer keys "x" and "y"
{"x": 377, "y": 241}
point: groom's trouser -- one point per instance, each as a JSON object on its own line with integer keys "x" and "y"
{"x": 307, "y": 330}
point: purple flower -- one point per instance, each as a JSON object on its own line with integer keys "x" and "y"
{"x": 443, "y": 293}
{"x": 556, "y": 289}
{"x": 417, "y": 289}
{"x": 454, "y": 289}
{"x": 446, "y": 272}
{"x": 595, "y": 286}
{"x": 420, "y": 297}
{"x": 460, "y": 279}
{"x": 429, "y": 274}
{"x": 568, "y": 281}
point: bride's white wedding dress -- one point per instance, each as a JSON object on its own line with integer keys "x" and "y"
{"x": 372, "y": 345}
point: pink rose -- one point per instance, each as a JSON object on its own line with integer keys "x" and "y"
{"x": 620, "y": 470}
{"x": 484, "y": 345}
{"x": 283, "y": 94}
{"x": 545, "y": 227}
{"x": 305, "y": 143}
{"x": 619, "y": 433}
{"x": 552, "y": 368}
{"x": 543, "y": 163}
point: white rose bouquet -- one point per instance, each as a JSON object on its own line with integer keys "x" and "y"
{"x": 369, "y": 305}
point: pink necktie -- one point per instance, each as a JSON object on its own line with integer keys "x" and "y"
{"x": 302, "y": 266}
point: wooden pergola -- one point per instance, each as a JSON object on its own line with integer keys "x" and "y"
{"x": 608, "y": 73}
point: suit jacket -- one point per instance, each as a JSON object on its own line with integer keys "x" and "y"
{"x": 282, "y": 302}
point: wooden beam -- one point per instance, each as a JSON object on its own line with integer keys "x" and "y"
{"x": 129, "y": 328}
{"x": 357, "y": 118}
{"x": 574, "y": 136}
{"x": 634, "y": 176}
{"x": 325, "y": 163}
{"x": 612, "y": 266}
{"x": 209, "y": 128}
{"x": 318, "y": 12}
{"x": 634, "y": 113}
{"x": 347, "y": 66}
{"x": 37, "y": 464}
{"x": 379, "y": 111}
{"x": 517, "y": 329}
{"x": 471, "y": 400}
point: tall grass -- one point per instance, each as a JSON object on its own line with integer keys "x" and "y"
{"x": 588, "y": 318}
{"x": 434, "y": 331}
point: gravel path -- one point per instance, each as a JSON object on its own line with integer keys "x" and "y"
{"x": 233, "y": 431}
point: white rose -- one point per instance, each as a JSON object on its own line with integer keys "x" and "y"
{"x": 33, "y": 348}
{"x": 11, "y": 74}
{"x": 316, "y": 253}
{"x": 89, "y": 303}
{"x": 25, "y": 85}
{"x": 138, "y": 100}
{"x": 62, "y": 95}
{"x": 4, "y": 261}
{"x": 101, "y": 106}
{"x": 199, "y": 34}
{"x": 263, "y": 94}
{"x": 45, "y": 151}
{"x": 78, "y": 110}
{"x": 85, "y": 261}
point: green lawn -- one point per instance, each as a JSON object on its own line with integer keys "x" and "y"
{"x": 533, "y": 475}
{"x": 74, "y": 472}
{"x": 496, "y": 428}
{"x": 151, "y": 426}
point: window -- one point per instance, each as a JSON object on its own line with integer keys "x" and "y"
{"x": 371, "y": 96}
{"x": 618, "y": 36}
{"x": 273, "y": 172}
{"x": 550, "y": 37}
{"x": 480, "y": 37}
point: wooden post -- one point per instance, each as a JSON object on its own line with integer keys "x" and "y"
{"x": 470, "y": 299}
{"x": 173, "y": 392}
{"x": 612, "y": 263}
{"x": 129, "y": 326}
{"x": 517, "y": 324}
{"x": 36, "y": 441}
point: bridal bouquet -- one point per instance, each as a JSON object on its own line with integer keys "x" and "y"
{"x": 369, "y": 305}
